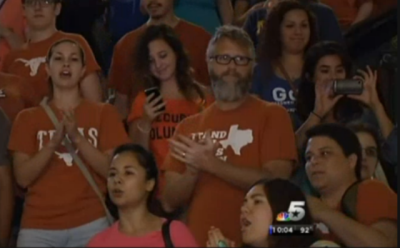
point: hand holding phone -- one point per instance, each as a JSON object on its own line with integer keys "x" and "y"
{"x": 154, "y": 105}
{"x": 369, "y": 95}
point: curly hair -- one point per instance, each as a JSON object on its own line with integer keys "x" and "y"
{"x": 145, "y": 79}
{"x": 270, "y": 49}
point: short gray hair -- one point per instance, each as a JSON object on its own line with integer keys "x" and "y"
{"x": 235, "y": 34}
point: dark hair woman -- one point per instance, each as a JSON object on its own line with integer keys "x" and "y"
{"x": 132, "y": 184}
{"x": 289, "y": 31}
{"x": 316, "y": 102}
{"x": 373, "y": 164}
{"x": 163, "y": 65}
{"x": 263, "y": 213}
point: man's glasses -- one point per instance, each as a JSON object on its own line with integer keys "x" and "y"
{"x": 42, "y": 2}
{"x": 226, "y": 59}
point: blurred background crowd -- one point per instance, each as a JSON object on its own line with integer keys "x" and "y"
{"x": 189, "y": 123}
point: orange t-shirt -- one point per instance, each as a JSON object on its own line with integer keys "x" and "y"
{"x": 29, "y": 62}
{"x": 345, "y": 10}
{"x": 163, "y": 127}
{"x": 381, "y": 7}
{"x": 375, "y": 201}
{"x": 194, "y": 38}
{"x": 61, "y": 198}
{"x": 11, "y": 16}
{"x": 15, "y": 95}
{"x": 251, "y": 135}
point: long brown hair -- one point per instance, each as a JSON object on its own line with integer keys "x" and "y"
{"x": 270, "y": 48}
{"x": 186, "y": 84}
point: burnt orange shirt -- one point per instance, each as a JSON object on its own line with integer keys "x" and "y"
{"x": 163, "y": 127}
{"x": 345, "y": 10}
{"x": 61, "y": 198}
{"x": 29, "y": 62}
{"x": 251, "y": 135}
{"x": 375, "y": 201}
{"x": 16, "y": 94}
{"x": 381, "y": 7}
{"x": 12, "y": 17}
{"x": 194, "y": 38}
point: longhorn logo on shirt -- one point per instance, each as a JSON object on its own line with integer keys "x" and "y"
{"x": 33, "y": 64}
{"x": 67, "y": 157}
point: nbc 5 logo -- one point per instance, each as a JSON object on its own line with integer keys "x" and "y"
{"x": 296, "y": 210}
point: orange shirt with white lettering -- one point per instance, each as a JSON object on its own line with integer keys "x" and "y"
{"x": 29, "y": 62}
{"x": 163, "y": 127}
{"x": 251, "y": 135}
{"x": 61, "y": 198}
{"x": 122, "y": 77}
{"x": 16, "y": 94}
{"x": 11, "y": 17}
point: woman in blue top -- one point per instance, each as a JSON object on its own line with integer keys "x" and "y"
{"x": 208, "y": 14}
{"x": 290, "y": 29}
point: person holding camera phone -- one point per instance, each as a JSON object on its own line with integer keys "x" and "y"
{"x": 171, "y": 93}
{"x": 317, "y": 101}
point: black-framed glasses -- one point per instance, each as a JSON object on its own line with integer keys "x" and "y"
{"x": 42, "y": 2}
{"x": 225, "y": 59}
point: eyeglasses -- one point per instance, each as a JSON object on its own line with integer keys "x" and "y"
{"x": 42, "y": 2}
{"x": 226, "y": 59}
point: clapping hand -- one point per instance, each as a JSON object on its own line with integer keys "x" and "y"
{"x": 71, "y": 125}
{"x": 217, "y": 239}
{"x": 193, "y": 153}
{"x": 58, "y": 136}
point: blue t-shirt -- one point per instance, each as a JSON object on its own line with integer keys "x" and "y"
{"x": 125, "y": 16}
{"x": 328, "y": 26}
{"x": 203, "y": 13}
{"x": 275, "y": 89}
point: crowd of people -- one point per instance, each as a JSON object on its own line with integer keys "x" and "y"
{"x": 219, "y": 123}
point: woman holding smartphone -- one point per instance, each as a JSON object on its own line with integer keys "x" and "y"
{"x": 170, "y": 92}
{"x": 61, "y": 209}
{"x": 317, "y": 103}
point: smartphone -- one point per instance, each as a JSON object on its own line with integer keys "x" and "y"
{"x": 156, "y": 93}
{"x": 348, "y": 87}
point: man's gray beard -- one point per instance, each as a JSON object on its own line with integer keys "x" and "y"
{"x": 230, "y": 92}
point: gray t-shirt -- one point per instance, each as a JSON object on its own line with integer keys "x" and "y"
{"x": 5, "y": 128}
